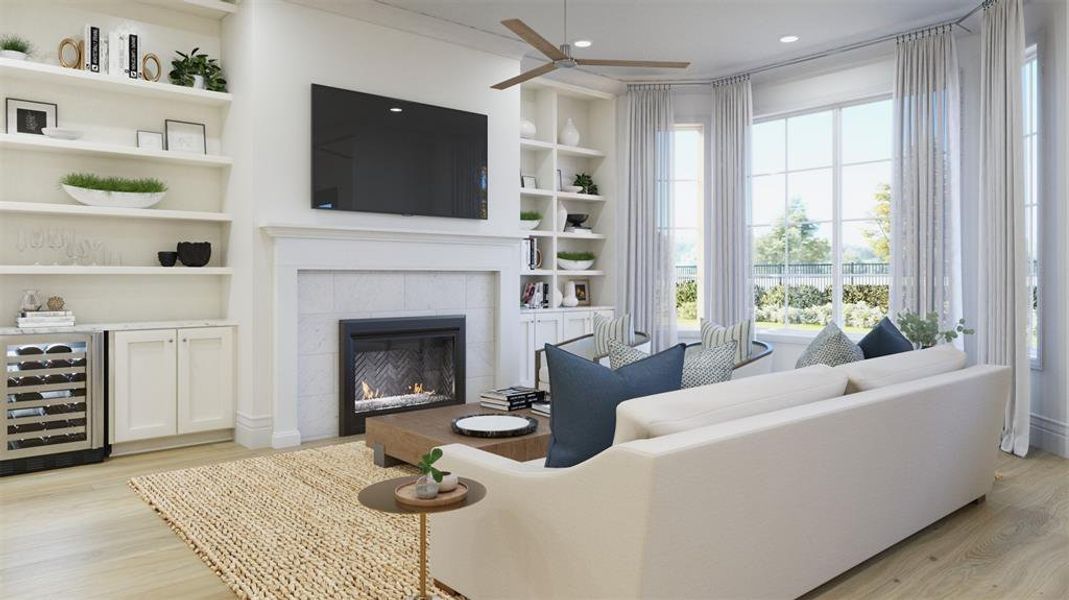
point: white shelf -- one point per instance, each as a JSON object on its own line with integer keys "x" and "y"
{"x": 563, "y": 273}
{"x": 212, "y": 9}
{"x": 107, "y": 270}
{"x": 578, "y": 151}
{"x": 536, "y": 144}
{"x": 580, "y": 197}
{"x": 80, "y": 210}
{"x": 537, "y": 233}
{"x": 580, "y": 236}
{"x": 40, "y": 143}
{"x": 24, "y": 69}
{"x": 538, "y": 272}
{"x": 536, "y": 192}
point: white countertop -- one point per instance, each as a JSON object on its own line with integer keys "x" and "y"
{"x": 133, "y": 326}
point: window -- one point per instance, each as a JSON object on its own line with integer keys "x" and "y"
{"x": 1031, "y": 192}
{"x": 688, "y": 191}
{"x": 820, "y": 217}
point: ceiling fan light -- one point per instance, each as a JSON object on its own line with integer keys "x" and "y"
{"x": 788, "y": 39}
{"x": 582, "y": 43}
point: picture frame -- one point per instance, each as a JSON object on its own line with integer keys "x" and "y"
{"x": 151, "y": 140}
{"x": 582, "y": 291}
{"x": 560, "y": 181}
{"x": 185, "y": 137}
{"x": 528, "y": 181}
{"x": 29, "y": 116}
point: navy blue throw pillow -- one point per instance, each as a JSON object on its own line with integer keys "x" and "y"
{"x": 585, "y": 395}
{"x": 884, "y": 339}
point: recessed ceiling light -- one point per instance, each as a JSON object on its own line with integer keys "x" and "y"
{"x": 789, "y": 39}
{"x": 582, "y": 43}
{"x": 395, "y": 109}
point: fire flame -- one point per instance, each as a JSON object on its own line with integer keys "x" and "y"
{"x": 371, "y": 393}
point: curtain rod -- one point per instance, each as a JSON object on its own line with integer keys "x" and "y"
{"x": 815, "y": 56}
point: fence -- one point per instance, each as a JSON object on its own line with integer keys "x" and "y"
{"x": 815, "y": 274}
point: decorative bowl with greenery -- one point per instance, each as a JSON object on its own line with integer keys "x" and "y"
{"x": 585, "y": 181}
{"x": 122, "y": 192}
{"x": 15, "y": 47}
{"x": 925, "y": 332}
{"x": 189, "y": 67}
{"x": 575, "y": 261}
{"x": 530, "y": 219}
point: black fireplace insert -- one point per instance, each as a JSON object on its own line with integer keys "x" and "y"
{"x": 397, "y": 365}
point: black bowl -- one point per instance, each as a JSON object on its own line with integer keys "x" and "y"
{"x": 577, "y": 219}
{"x": 166, "y": 258}
{"x": 194, "y": 254}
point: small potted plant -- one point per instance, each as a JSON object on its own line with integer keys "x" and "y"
{"x": 586, "y": 183}
{"x": 122, "y": 192}
{"x": 924, "y": 331}
{"x": 530, "y": 219}
{"x": 197, "y": 70}
{"x": 575, "y": 261}
{"x": 15, "y": 47}
{"x": 428, "y": 482}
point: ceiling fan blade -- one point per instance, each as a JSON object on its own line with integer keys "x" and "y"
{"x": 604, "y": 62}
{"x": 546, "y": 68}
{"x": 531, "y": 37}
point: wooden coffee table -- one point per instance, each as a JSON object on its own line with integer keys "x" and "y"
{"x": 405, "y": 437}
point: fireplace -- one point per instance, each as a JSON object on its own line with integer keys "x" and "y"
{"x": 397, "y": 365}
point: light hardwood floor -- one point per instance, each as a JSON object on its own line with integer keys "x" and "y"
{"x": 81, "y": 533}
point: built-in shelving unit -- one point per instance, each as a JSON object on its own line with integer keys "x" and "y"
{"x": 80, "y": 210}
{"x": 549, "y": 105}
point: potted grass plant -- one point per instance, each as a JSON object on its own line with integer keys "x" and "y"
{"x": 575, "y": 261}
{"x": 15, "y": 47}
{"x": 197, "y": 70}
{"x": 120, "y": 192}
{"x": 530, "y": 219}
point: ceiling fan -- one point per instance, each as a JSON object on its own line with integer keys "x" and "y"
{"x": 562, "y": 57}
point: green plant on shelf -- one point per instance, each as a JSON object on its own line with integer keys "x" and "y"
{"x": 530, "y": 215}
{"x": 585, "y": 181}
{"x": 145, "y": 185}
{"x": 184, "y": 69}
{"x": 576, "y": 255}
{"x": 15, "y": 43}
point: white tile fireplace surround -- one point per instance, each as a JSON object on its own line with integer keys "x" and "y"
{"x": 326, "y": 297}
{"x": 325, "y": 274}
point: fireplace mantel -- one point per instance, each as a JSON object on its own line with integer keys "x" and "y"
{"x": 303, "y": 248}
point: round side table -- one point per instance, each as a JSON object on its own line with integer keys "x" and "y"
{"x": 379, "y": 496}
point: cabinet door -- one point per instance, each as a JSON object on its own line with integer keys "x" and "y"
{"x": 205, "y": 379}
{"x": 577, "y": 324}
{"x": 143, "y": 384}
{"x": 527, "y": 349}
{"x": 547, "y": 329}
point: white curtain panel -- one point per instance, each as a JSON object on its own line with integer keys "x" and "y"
{"x": 729, "y": 283}
{"x": 925, "y": 216}
{"x": 649, "y": 286}
{"x": 1004, "y": 300}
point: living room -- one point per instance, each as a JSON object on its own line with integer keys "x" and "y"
{"x": 555, "y": 299}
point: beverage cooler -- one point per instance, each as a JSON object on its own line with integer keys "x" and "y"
{"x": 53, "y": 393}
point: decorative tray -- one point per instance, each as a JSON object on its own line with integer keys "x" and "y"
{"x": 494, "y": 426}
{"x": 406, "y": 494}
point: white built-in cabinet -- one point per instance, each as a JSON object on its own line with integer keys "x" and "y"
{"x": 552, "y": 326}
{"x": 167, "y": 382}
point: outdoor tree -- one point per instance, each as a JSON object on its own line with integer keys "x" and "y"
{"x": 795, "y": 232}
{"x": 878, "y": 235}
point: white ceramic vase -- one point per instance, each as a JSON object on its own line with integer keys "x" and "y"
{"x": 198, "y": 82}
{"x": 426, "y": 487}
{"x": 529, "y": 225}
{"x": 569, "y": 136}
{"x": 570, "y": 299}
{"x": 558, "y": 298}
{"x": 448, "y": 483}
{"x": 528, "y": 129}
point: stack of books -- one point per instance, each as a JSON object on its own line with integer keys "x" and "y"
{"x": 540, "y": 408}
{"x": 511, "y": 398}
{"x": 30, "y": 319}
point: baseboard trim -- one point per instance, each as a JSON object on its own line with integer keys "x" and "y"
{"x": 1050, "y": 435}
{"x": 253, "y": 432}
{"x": 285, "y": 439}
{"x": 170, "y": 442}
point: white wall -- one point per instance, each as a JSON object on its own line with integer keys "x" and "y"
{"x": 270, "y": 139}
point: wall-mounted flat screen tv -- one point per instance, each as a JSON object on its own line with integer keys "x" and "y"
{"x": 386, "y": 155}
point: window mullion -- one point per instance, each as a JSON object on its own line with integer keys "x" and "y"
{"x": 836, "y": 212}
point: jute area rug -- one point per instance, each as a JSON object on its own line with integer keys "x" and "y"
{"x": 289, "y": 525}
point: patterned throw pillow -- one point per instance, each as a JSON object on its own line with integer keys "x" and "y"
{"x": 701, "y": 366}
{"x": 742, "y": 333}
{"x": 831, "y": 347}
{"x": 606, "y": 330}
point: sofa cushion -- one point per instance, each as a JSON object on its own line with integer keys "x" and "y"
{"x": 884, "y": 339}
{"x": 831, "y": 347}
{"x": 742, "y": 333}
{"x": 673, "y": 412}
{"x": 621, "y": 329}
{"x": 899, "y": 368}
{"x": 701, "y": 366}
{"x": 585, "y": 396}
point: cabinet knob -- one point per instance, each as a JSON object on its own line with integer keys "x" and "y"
{"x": 170, "y": 341}
{"x": 184, "y": 340}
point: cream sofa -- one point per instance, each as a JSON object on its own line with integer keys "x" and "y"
{"x": 769, "y": 505}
